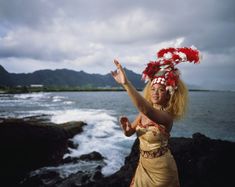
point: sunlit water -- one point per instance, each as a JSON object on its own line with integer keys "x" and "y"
{"x": 211, "y": 113}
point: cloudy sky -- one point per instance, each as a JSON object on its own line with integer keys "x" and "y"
{"x": 87, "y": 35}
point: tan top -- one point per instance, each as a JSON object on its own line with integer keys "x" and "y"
{"x": 152, "y": 136}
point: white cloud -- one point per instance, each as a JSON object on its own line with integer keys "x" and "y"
{"x": 88, "y": 35}
{"x": 131, "y": 27}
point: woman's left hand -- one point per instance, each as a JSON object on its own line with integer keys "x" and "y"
{"x": 119, "y": 74}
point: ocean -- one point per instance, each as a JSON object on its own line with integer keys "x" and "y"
{"x": 210, "y": 113}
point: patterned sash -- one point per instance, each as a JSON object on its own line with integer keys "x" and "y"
{"x": 154, "y": 153}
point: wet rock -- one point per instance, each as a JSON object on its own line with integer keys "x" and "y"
{"x": 70, "y": 160}
{"x": 71, "y": 144}
{"x": 201, "y": 161}
{"x": 49, "y": 177}
{"x": 91, "y": 156}
{"x": 26, "y": 144}
{"x": 121, "y": 178}
{"x": 97, "y": 175}
{"x": 72, "y": 128}
{"x": 81, "y": 178}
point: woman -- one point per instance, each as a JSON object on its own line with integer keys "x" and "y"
{"x": 165, "y": 100}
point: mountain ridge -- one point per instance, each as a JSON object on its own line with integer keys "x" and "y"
{"x": 69, "y": 78}
{"x": 65, "y": 77}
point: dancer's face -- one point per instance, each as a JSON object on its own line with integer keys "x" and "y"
{"x": 159, "y": 95}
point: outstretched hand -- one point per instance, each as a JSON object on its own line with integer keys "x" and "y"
{"x": 119, "y": 74}
{"x": 125, "y": 124}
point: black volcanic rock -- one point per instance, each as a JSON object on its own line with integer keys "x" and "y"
{"x": 91, "y": 156}
{"x": 50, "y": 178}
{"x": 201, "y": 162}
{"x": 27, "y": 145}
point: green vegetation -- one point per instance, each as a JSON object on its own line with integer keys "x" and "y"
{"x": 62, "y": 80}
{"x": 27, "y": 89}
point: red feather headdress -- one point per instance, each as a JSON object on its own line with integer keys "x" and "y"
{"x": 163, "y": 70}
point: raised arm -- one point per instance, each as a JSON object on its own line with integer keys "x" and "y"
{"x": 158, "y": 116}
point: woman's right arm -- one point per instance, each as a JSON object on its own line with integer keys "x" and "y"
{"x": 129, "y": 128}
{"x": 143, "y": 106}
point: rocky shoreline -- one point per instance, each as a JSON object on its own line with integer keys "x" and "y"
{"x": 201, "y": 162}
{"x": 32, "y": 143}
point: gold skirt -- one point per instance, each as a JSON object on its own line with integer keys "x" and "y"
{"x": 156, "y": 172}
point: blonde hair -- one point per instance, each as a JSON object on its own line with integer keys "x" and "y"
{"x": 177, "y": 104}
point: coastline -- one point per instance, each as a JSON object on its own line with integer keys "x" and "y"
{"x": 22, "y": 90}
{"x": 201, "y": 161}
